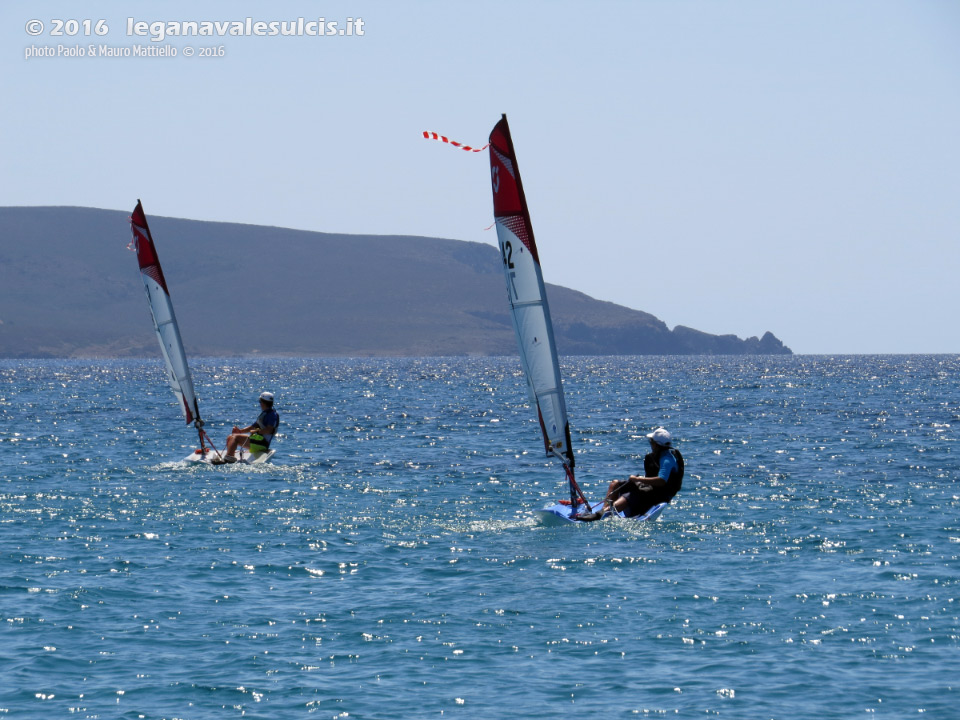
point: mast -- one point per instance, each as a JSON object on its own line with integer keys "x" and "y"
{"x": 164, "y": 319}
{"x": 529, "y": 308}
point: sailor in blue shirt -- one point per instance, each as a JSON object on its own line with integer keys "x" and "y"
{"x": 663, "y": 477}
{"x": 255, "y": 437}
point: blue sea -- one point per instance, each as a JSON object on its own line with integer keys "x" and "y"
{"x": 388, "y": 562}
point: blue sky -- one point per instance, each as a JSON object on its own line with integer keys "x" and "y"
{"x": 733, "y": 166}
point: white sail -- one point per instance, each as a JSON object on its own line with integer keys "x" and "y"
{"x": 528, "y": 298}
{"x": 164, "y": 318}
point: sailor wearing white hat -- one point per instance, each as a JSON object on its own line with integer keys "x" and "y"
{"x": 662, "y": 478}
{"x": 255, "y": 437}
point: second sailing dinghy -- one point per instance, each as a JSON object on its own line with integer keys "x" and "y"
{"x": 171, "y": 345}
{"x": 531, "y": 319}
{"x": 531, "y": 313}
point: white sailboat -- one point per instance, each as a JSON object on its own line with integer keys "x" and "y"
{"x": 530, "y": 312}
{"x": 171, "y": 345}
{"x": 529, "y": 309}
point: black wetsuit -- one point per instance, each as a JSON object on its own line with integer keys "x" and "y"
{"x": 639, "y": 501}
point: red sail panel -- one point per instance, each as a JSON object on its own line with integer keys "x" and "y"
{"x": 146, "y": 251}
{"x": 509, "y": 202}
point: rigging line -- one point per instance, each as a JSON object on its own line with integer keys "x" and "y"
{"x": 212, "y": 445}
{"x": 570, "y": 477}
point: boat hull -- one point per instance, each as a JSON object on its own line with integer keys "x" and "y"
{"x": 558, "y": 514}
{"x": 247, "y": 459}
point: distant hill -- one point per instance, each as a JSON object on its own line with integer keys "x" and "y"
{"x": 69, "y": 288}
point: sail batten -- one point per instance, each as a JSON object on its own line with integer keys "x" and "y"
{"x": 529, "y": 309}
{"x": 531, "y": 303}
{"x": 164, "y": 318}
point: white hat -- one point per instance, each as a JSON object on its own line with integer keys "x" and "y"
{"x": 660, "y": 437}
{"x": 267, "y": 397}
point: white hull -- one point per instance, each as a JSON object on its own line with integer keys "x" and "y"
{"x": 561, "y": 513}
{"x": 247, "y": 458}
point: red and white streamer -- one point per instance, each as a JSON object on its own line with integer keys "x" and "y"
{"x": 436, "y": 136}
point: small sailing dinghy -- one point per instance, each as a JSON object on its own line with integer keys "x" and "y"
{"x": 171, "y": 345}
{"x": 531, "y": 320}
{"x": 530, "y": 311}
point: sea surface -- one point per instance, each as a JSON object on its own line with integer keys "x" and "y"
{"x": 388, "y": 563}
